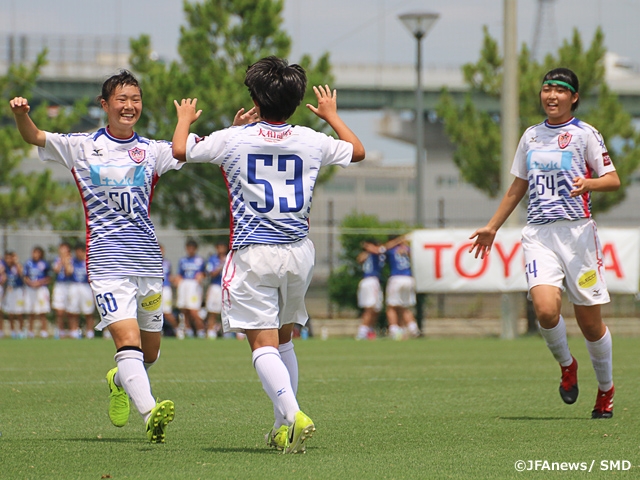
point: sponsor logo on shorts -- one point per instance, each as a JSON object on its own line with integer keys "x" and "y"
{"x": 588, "y": 279}
{"x": 152, "y": 302}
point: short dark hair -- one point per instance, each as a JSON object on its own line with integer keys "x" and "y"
{"x": 276, "y": 87}
{"x": 80, "y": 246}
{"x": 39, "y": 249}
{"x": 191, "y": 243}
{"x": 125, "y": 77}
{"x": 567, "y": 76}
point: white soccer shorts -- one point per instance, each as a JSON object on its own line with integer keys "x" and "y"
{"x": 80, "y": 300}
{"x": 60, "y": 296}
{"x": 167, "y": 299}
{"x": 189, "y": 295}
{"x": 370, "y": 293}
{"x": 37, "y": 300}
{"x": 401, "y": 291}
{"x": 13, "y": 301}
{"x": 129, "y": 297}
{"x": 566, "y": 254}
{"x": 263, "y": 286}
{"x": 214, "y": 298}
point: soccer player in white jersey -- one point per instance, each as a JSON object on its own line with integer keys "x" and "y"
{"x": 271, "y": 168}
{"x": 116, "y": 170}
{"x": 559, "y": 162}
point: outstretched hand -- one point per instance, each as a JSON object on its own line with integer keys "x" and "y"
{"x": 244, "y": 118}
{"x": 19, "y": 106}
{"x": 327, "y": 102}
{"x": 483, "y": 240}
{"x": 186, "y": 110}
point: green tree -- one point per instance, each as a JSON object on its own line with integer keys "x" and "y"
{"x": 221, "y": 39}
{"x": 33, "y": 199}
{"x": 477, "y": 134}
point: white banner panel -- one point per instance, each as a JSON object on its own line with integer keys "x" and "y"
{"x": 442, "y": 264}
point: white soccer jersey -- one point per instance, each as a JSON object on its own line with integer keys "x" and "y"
{"x": 270, "y": 171}
{"x": 116, "y": 179}
{"x": 549, "y": 157}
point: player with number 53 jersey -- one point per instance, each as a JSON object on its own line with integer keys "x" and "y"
{"x": 271, "y": 168}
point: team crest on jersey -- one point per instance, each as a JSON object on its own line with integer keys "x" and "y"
{"x": 606, "y": 159}
{"x": 564, "y": 139}
{"x": 137, "y": 154}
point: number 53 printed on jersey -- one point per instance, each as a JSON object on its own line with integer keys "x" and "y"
{"x": 279, "y": 183}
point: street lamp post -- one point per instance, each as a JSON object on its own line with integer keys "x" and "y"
{"x": 419, "y": 24}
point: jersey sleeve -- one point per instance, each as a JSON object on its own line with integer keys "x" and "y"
{"x": 209, "y": 149}
{"x": 164, "y": 158}
{"x": 62, "y": 149}
{"x": 597, "y": 156}
{"x": 336, "y": 152}
{"x": 519, "y": 166}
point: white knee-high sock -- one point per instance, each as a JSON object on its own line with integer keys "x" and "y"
{"x": 134, "y": 380}
{"x": 288, "y": 357}
{"x": 601, "y": 353}
{"x": 556, "y": 339}
{"x": 276, "y": 381}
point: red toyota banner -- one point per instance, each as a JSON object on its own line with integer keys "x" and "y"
{"x": 442, "y": 262}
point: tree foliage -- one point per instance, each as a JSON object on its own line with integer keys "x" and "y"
{"x": 33, "y": 199}
{"x": 220, "y": 40}
{"x": 477, "y": 133}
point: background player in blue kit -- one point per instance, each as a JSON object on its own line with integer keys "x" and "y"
{"x": 116, "y": 170}
{"x": 401, "y": 289}
{"x": 36, "y": 292}
{"x": 80, "y": 300}
{"x": 213, "y": 302}
{"x": 62, "y": 268}
{"x": 167, "y": 294}
{"x": 189, "y": 289}
{"x": 558, "y": 163}
{"x": 371, "y": 259}
{"x": 271, "y": 168}
{"x": 13, "y": 300}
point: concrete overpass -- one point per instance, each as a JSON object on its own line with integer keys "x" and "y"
{"x": 77, "y": 66}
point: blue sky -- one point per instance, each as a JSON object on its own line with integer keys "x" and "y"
{"x": 351, "y": 30}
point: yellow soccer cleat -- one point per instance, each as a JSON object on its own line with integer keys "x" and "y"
{"x": 161, "y": 415}
{"x": 118, "y": 401}
{"x": 278, "y": 438}
{"x": 301, "y": 430}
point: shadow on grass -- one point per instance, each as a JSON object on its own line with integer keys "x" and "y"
{"x": 270, "y": 451}
{"x": 543, "y": 418}
{"x": 103, "y": 440}
{"x": 240, "y": 450}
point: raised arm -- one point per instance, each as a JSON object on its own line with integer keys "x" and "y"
{"x": 327, "y": 110}
{"x": 30, "y": 133}
{"x": 484, "y": 236}
{"x": 187, "y": 114}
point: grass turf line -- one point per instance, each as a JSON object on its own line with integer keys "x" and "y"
{"x": 446, "y": 408}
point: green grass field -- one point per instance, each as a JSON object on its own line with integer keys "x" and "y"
{"x": 446, "y": 408}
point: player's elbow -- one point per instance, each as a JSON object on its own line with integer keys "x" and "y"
{"x": 179, "y": 154}
{"x": 358, "y": 153}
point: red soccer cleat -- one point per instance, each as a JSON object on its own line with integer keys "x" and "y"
{"x": 604, "y": 404}
{"x": 569, "y": 383}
